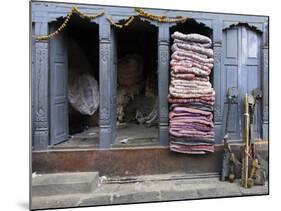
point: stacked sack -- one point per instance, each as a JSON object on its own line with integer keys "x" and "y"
{"x": 191, "y": 95}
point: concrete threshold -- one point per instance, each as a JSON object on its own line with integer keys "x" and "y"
{"x": 150, "y": 188}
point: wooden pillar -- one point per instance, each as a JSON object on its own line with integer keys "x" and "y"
{"x": 163, "y": 81}
{"x": 40, "y": 89}
{"x": 217, "y": 81}
{"x": 265, "y": 78}
{"x": 107, "y": 122}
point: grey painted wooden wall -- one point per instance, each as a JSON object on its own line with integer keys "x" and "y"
{"x": 240, "y": 45}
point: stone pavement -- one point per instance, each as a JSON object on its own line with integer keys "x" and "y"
{"x": 153, "y": 188}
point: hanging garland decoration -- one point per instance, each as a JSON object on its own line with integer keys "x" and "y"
{"x": 119, "y": 25}
{"x": 141, "y": 13}
{"x": 66, "y": 20}
{"x": 84, "y": 15}
{"x": 160, "y": 18}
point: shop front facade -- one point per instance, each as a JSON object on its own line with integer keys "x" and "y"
{"x": 240, "y": 44}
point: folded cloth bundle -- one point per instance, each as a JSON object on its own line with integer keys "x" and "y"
{"x": 189, "y": 101}
{"x": 191, "y": 111}
{"x": 200, "y": 106}
{"x": 190, "y": 63}
{"x": 192, "y": 141}
{"x": 195, "y": 38}
{"x": 194, "y": 78}
{"x": 203, "y": 45}
{"x": 192, "y": 149}
{"x": 193, "y": 70}
{"x": 191, "y": 95}
{"x": 183, "y": 83}
{"x": 187, "y": 47}
{"x": 192, "y": 56}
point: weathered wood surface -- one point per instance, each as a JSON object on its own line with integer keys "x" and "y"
{"x": 221, "y": 25}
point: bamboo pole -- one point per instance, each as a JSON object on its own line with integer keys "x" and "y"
{"x": 246, "y": 143}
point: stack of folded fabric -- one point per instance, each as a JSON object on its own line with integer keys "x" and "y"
{"x": 191, "y": 95}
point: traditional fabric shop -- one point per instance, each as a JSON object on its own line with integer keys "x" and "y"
{"x": 101, "y": 82}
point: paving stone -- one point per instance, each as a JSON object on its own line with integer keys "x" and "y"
{"x": 64, "y": 183}
{"x": 135, "y": 197}
{"x": 167, "y": 195}
{"x": 255, "y": 190}
{"x": 149, "y": 191}
{"x": 96, "y": 199}
{"x": 57, "y": 201}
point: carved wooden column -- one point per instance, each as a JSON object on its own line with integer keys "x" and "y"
{"x": 163, "y": 81}
{"x": 40, "y": 89}
{"x": 217, "y": 80}
{"x": 265, "y": 75}
{"x": 106, "y": 86}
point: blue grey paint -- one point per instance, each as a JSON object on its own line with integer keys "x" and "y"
{"x": 113, "y": 82}
{"x": 32, "y": 84}
{"x": 58, "y": 89}
{"x": 265, "y": 103}
{"x": 228, "y": 68}
{"x": 217, "y": 79}
{"x": 40, "y": 90}
{"x": 163, "y": 81}
{"x": 265, "y": 81}
{"x": 107, "y": 129}
{"x": 241, "y": 68}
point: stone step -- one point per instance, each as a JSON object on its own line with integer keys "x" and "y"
{"x": 64, "y": 183}
{"x": 149, "y": 188}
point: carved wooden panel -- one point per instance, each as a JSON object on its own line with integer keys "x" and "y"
{"x": 40, "y": 92}
{"x": 41, "y": 81}
{"x": 163, "y": 83}
{"x": 265, "y": 75}
{"x": 217, "y": 82}
{"x": 104, "y": 83}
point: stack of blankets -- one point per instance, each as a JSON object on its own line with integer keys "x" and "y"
{"x": 191, "y": 96}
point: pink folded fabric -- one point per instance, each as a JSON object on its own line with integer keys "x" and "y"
{"x": 186, "y": 110}
{"x": 185, "y": 54}
{"x": 185, "y": 76}
{"x": 202, "y": 149}
{"x": 191, "y": 126}
{"x": 188, "y": 47}
{"x": 191, "y": 90}
{"x": 201, "y": 45}
{"x": 188, "y": 82}
{"x": 194, "y": 70}
{"x": 188, "y": 95}
{"x": 188, "y": 62}
{"x": 198, "y": 38}
{"x": 191, "y": 100}
{"x": 188, "y": 120}
{"x": 189, "y": 52}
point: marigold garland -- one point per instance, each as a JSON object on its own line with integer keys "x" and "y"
{"x": 160, "y": 18}
{"x": 120, "y": 26}
{"x": 84, "y": 15}
{"x": 66, "y": 20}
{"x": 141, "y": 13}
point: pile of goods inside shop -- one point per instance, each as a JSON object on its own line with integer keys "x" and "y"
{"x": 191, "y": 96}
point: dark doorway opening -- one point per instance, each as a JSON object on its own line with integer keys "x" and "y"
{"x": 137, "y": 86}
